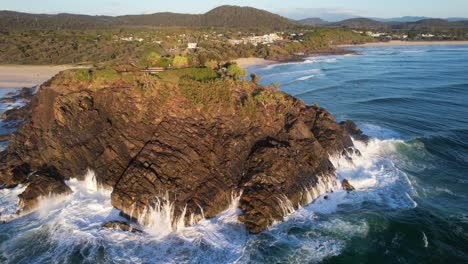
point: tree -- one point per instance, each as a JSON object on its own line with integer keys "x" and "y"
{"x": 153, "y": 58}
{"x": 235, "y": 72}
{"x": 255, "y": 79}
{"x": 212, "y": 64}
{"x": 180, "y": 61}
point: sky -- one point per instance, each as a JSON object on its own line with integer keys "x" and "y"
{"x": 296, "y": 9}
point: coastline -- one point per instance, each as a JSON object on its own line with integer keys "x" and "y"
{"x": 250, "y": 62}
{"x": 406, "y": 43}
{"x": 19, "y": 76}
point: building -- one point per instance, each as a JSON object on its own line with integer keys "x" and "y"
{"x": 192, "y": 45}
{"x": 131, "y": 39}
{"x": 255, "y": 40}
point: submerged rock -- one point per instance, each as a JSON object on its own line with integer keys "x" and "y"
{"x": 178, "y": 143}
{"x": 8, "y": 100}
{"x": 119, "y": 225}
{"x": 17, "y": 115}
{"x": 347, "y": 186}
{"x": 45, "y": 183}
{"x": 4, "y": 138}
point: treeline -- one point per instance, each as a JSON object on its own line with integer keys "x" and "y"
{"x": 95, "y": 46}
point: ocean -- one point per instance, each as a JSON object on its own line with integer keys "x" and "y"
{"x": 410, "y": 206}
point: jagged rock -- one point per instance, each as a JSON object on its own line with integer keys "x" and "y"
{"x": 26, "y": 93}
{"x": 353, "y": 130}
{"x": 4, "y": 138}
{"x": 17, "y": 114}
{"x": 7, "y": 100}
{"x": 279, "y": 173}
{"x": 347, "y": 186}
{"x": 119, "y": 225}
{"x": 44, "y": 183}
{"x": 163, "y": 146}
{"x": 13, "y": 170}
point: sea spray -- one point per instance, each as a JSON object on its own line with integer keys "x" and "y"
{"x": 9, "y": 202}
{"x": 160, "y": 218}
{"x": 221, "y": 239}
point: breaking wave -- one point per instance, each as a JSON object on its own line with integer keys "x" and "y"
{"x": 70, "y": 229}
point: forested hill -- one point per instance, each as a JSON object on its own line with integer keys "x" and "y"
{"x": 223, "y": 16}
{"x": 424, "y": 24}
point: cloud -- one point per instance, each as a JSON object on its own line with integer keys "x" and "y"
{"x": 330, "y": 14}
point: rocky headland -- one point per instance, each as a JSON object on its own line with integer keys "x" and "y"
{"x": 189, "y": 139}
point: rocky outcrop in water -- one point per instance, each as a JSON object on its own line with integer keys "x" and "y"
{"x": 43, "y": 183}
{"x": 347, "y": 186}
{"x": 123, "y": 226}
{"x": 353, "y": 130}
{"x": 178, "y": 142}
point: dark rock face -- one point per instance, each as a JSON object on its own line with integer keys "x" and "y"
{"x": 17, "y": 115}
{"x": 4, "y": 138}
{"x": 347, "y": 186}
{"x": 353, "y": 130}
{"x": 13, "y": 170}
{"x": 155, "y": 149}
{"x": 42, "y": 184}
{"x": 124, "y": 226}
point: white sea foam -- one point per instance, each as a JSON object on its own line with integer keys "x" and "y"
{"x": 293, "y": 72}
{"x": 304, "y": 78}
{"x": 310, "y": 60}
{"x": 425, "y": 241}
{"x": 9, "y": 202}
{"x": 72, "y": 228}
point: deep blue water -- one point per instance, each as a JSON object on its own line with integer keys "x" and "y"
{"x": 410, "y": 206}
{"x": 416, "y": 94}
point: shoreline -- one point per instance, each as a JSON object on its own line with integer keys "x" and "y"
{"x": 406, "y": 43}
{"x": 19, "y": 76}
{"x": 252, "y": 61}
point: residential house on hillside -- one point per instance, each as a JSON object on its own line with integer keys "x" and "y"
{"x": 192, "y": 45}
{"x": 255, "y": 40}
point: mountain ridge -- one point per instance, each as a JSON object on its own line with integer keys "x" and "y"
{"x": 222, "y": 16}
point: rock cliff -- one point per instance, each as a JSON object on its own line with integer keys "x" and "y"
{"x": 176, "y": 140}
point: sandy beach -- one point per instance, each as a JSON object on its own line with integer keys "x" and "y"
{"x": 406, "y": 43}
{"x": 249, "y": 62}
{"x": 18, "y": 76}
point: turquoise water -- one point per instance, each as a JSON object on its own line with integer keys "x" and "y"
{"x": 410, "y": 206}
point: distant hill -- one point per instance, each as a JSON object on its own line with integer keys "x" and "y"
{"x": 366, "y": 23}
{"x": 424, "y": 24}
{"x": 223, "y": 16}
{"x": 10, "y": 20}
{"x": 401, "y": 19}
{"x": 313, "y": 21}
{"x": 431, "y": 24}
{"x": 453, "y": 19}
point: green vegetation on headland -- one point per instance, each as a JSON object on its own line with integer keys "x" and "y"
{"x": 225, "y": 87}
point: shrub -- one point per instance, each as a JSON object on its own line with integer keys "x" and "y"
{"x": 206, "y": 94}
{"x": 106, "y": 74}
{"x": 180, "y": 61}
{"x": 212, "y": 64}
{"x": 200, "y": 74}
{"x": 85, "y": 75}
{"x": 235, "y": 71}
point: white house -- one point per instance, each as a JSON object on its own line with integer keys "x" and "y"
{"x": 192, "y": 45}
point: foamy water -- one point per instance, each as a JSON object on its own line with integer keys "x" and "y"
{"x": 71, "y": 229}
{"x": 409, "y": 203}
